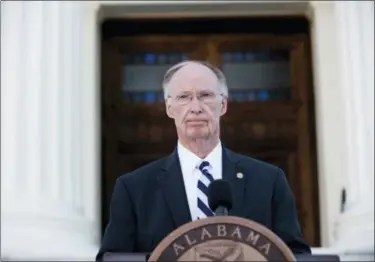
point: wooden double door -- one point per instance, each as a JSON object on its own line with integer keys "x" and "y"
{"x": 270, "y": 113}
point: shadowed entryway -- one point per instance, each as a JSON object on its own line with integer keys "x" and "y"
{"x": 271, "y": 110}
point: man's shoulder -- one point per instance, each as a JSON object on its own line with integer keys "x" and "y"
{"x": 144, "y": 173}
{"x": 254, "y": 164}
{"x": 248, "y": 160}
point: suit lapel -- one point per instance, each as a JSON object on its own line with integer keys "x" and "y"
{"x": 231, "y": 169}
{"x": 174, "y": 192}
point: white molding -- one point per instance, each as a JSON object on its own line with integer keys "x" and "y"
{"x": 329, "y": 118}
{"x": 116, "y": 9}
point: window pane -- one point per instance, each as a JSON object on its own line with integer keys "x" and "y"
{"x": 257, "y": 76}
{"x": 143, "y": 75}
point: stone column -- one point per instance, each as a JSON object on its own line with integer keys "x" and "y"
{"x": 43, "y": 194}
{"x": 329, "y": 116}
{"x": 355, "y": 28}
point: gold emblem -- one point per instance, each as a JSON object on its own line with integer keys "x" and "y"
{"x": 222, "y": 250}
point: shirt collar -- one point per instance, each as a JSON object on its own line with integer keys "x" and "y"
{"x": 186, "y": 156}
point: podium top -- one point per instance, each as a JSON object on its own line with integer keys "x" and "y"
{"x": 142, "y": 257}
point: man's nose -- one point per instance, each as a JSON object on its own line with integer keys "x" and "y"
{"x": 195, "y": 106}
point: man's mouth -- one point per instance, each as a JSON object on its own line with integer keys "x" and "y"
{"x": 196, "y": 122}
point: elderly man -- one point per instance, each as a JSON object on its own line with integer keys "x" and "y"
{"x": 152, "y": 201}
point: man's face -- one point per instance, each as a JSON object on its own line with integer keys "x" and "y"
{"x": 195, "y": 102}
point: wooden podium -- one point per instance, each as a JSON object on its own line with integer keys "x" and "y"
{"x": 220, "y": 238}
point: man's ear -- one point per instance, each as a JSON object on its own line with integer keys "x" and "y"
{"x": 224, "y": 106}
{"x": 168, "y": 109}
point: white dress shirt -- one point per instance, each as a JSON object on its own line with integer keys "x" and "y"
{"x": 191, "y": 174}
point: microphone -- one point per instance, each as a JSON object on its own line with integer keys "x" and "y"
{"x": 220, "y": 197}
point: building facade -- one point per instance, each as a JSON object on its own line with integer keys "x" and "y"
{"x": 50, "y": 120}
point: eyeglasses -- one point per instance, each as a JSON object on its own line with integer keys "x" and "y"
{"x": 205, "y": 97}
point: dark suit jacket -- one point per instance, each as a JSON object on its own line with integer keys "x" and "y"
{"x": 149, "y": 203}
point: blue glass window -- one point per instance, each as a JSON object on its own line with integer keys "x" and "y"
{"x": 263, "y": 95}
{"x": 150, "y": 97}
{"x": 150, "y": 59}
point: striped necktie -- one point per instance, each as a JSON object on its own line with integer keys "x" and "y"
{"x": 205, "y": 179}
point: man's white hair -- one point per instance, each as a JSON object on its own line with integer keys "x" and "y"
{"x": 222, "y": 82}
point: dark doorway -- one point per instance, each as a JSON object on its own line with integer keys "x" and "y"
{"x": 271, "y": 113}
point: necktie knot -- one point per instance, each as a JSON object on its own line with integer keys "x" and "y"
{"x": 204, "y": 165}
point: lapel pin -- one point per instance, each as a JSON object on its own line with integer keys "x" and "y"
{"x": 239, "y": 175}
